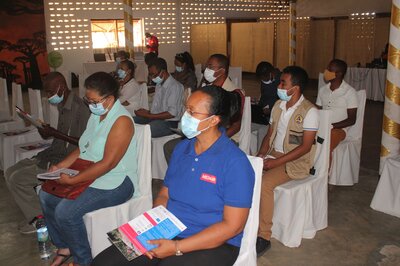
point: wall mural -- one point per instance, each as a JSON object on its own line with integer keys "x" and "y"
{"x": 23, "y": 56}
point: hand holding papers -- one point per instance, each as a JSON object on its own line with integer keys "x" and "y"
{"x": 56, "y": 174}
{"x": 26, "y": 116}
{"x": 158, "y": 223}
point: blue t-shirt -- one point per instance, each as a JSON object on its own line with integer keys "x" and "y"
{"x": 199, "y": 186}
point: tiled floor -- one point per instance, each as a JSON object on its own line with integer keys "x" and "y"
{"x": 356, "y": 234}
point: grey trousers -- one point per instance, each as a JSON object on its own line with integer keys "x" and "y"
{"x": 21, "y": 180}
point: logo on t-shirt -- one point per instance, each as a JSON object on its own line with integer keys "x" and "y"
{"x": 209, "y": 178}
{"x": 299, "y": 119}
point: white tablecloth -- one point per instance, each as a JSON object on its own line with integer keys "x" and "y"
{"x": 372, "y": 80}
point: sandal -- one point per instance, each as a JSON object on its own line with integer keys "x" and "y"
{"x": 64, "y": 256}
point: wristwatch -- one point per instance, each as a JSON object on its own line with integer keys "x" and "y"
{"x": 177, "y": 251}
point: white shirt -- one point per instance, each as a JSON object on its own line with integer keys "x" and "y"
{"x": 130, "y": 92}
{"x": 339, "y": 100}
{"x": 311, "y": 122}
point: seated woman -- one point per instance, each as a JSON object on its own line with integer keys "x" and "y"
{"x": 109, "y": 142}
{"x": 208, "y": 186}
{"x": 184, "y": 71}
{"x": 130, "y": 88}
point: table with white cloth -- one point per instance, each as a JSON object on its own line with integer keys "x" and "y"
{"x": 372, "y": 80}
{"x": 387, "y": 194}
{"x": 141, "y": 71}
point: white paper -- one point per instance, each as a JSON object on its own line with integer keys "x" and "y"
{"x": 56, "y": 174}
{"x": 268, "y": 156}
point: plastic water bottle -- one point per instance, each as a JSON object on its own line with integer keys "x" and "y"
{"x": 43, "y": 238}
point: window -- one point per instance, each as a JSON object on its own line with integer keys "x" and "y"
{"x": 109, "y": 34}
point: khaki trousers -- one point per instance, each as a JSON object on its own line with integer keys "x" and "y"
{"x": 270, "y": 180}
{"x": 21, "y": 180}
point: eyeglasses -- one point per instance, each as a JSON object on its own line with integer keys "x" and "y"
{"x": 95, "y": 103}
{"x": 193, "y": 112}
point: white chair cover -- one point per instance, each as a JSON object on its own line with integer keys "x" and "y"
{"x": 144, "y": 96}
{"x": 158, "y": 163}
{"x": 4, "y": 103}
{"x": 99, "y": 222}
{"x": 301, "y": 206}
{"x": 30, "y": 149}
{"x": 8, "y": 141}
{"x": 247, "y": 255}
{"x": 15, "y": 121}
{"x": 235, "y": 73}
{"x": 346, "y": 156}
{"x": 199, "y": 75}
{"x": 387, "y": 194}
{"x": 258, "y": 133}
{"x": 245, "y": 127}
{"x": 142, "y": 103}
{"x": 35, "y": 103}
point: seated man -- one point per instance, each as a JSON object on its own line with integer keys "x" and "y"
{"x": 167, "y": 106}
{"x": 288, "y": 148}
{"x": 216, "y": 73}
{"x": 339, "y": 97}
{"x": 21, "y": 177}
{"x": 270, "y": 80}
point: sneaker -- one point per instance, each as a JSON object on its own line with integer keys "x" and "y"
{"x": 27, "y": 228}
{"x": 262, "y": 245}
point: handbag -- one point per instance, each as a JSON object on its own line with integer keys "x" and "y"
{"x": 69, "y": 191}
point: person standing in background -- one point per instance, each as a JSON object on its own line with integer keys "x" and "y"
{"x": 151, "y": 43}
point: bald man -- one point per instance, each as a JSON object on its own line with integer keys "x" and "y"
{"x": 21, "y": 178}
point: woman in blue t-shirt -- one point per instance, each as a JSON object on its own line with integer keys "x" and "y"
{"x": 208, "y": 186}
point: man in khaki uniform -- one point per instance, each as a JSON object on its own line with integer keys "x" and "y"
{"x": 288, "y": 148}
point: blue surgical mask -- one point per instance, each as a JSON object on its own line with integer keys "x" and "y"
{"x": 55, "y": 99}
{"x": 118, "y": 60}
{"x": 178, "y": 69}
{"x": 157, "y": 80}
{"x": 190, "y": 124}
{"x": 282, "y": 94}
{"x": 98, "y": 109}
{"x": 121, "y": 73}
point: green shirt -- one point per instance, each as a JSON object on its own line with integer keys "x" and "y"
{"x": 92, "y": 144}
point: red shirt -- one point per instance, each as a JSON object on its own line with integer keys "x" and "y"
{"x": 152, "y": 44}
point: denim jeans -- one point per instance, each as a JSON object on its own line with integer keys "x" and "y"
{"x": 158, "y": 128}
{"x": 64, "y": 217}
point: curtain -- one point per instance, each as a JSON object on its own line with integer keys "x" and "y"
{"x": 381, "y": 38}
{"x": 303, "y": 43}
{"x": 207, "y": 40}
{"x": 251, "y": 43}
{"x": 282, "y": 44}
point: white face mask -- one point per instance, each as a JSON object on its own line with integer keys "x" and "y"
{"x": 209, "y": 75}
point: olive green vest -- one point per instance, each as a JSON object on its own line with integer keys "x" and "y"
{"x": 299, "y": 168}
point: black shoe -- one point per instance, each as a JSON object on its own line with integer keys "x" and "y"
{"x": 262, "y": 245}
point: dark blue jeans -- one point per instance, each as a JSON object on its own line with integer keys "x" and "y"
{"x": 64, "y": 217}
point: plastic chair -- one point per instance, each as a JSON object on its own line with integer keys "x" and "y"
{"x": 101, "y": 221}
{"x": 15, "y": 122}
{"x": 387, "y": 194}
{"x": 346, "y": 156}
{"x": 35, "y": 103}
{"x": 301, "y": 206}
{"x": 5, "y": 114}
{"x": 258, "y": 133}
{"x": 247, "y": 254}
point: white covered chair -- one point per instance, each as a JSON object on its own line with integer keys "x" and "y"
{"x": 346, "y": 156}
{"x": 301, "y": 206}
{"x": 143, "y": 100}
{"x": 387, "y": 194}
{"x": 50, "y": 113}
{"x": 247, "y": 254}
{"x": 258, "y": 133}
{"x": 5, "y": 114}
{"x": 245, "y": 127}
{"x": 30, "y": 149}
{"x": 15, "y": 122}
{"x": 35, "y": 103}
{"x": 158, "y": 163}
{"x": 99, "y": 222}
{"x": 235, "y": 73}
